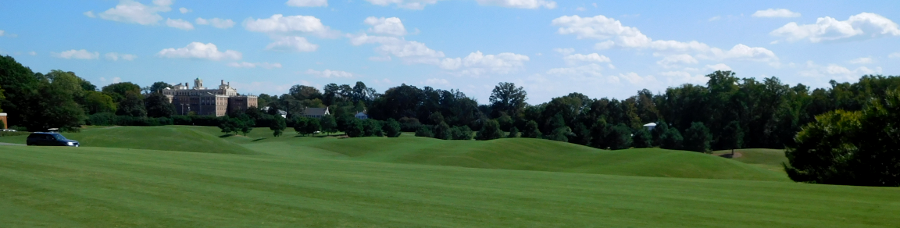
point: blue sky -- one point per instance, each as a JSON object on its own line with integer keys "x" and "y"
{"x": 551, "y": 47}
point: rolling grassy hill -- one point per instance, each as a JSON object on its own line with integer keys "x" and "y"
{"x": 771, "y": 159}
{"x": 112, "y": 187}
{"x": 173, "y": 138}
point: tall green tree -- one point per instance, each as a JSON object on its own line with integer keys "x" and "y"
{"x": 132, "y": 105}
{"x": 391, "y": 128}
{"x": 697, "y": 138}
{"x": 278, "y": 126}
{"x": 57, "y": 103}
{"x": 642, "y": 139}
{"x": 158, "y": 105}
{"x": 329, "y": 124}
{"x": 672, "y": 140}
{"x": 507, "y": 98}
{"x": 97, "y": 102}
{"x": 732, "y": 136}
{"x": 824, "y": 151}
{"x": 119, "y": 91}
{"x": 531, "y": 130}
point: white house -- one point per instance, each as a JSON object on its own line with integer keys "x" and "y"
{"x": 650, "y": 126}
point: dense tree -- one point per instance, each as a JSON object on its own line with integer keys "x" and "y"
{"x": 97, "y": 102}
{"x": 302, "y": 92}
{"x": 158, "y": 87}
{"x": 132, "y": 105}
{"x": 697, "y": 138}
{"x": 732, "y": 136}
{"x": 442, "y": 131}
{"x": 118, "y": 91}
{"x": 312, "y": 126}
{"x": 659, "y": 132}
{"x": 671, "y": 140}
{"x": 424, "y": 131}
{"x": 329, "y": 124}
{"x": 158, "y": 105}
{"x": 57, "y": 103}
{"x": 490, "y": 130}
{"x": 372, "y": 127}
{"x": 391, "y": 128}
{"x": 824, "y": 150}
{"x": 507, "y": 98}
{"x": 642, "y": 139}
{"x": 355, "y": 128}
{"x": 278, "y": 126}
{"x": 531, "y": 130}
{"x": 300, "y": 125}
{"x": 618, "y": 137}
{"x": 513, "y": 133}
{"x": 461, "y": 133}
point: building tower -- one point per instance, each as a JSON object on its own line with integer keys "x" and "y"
{"x": 198, "y": 83}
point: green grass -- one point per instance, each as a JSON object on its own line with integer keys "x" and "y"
{"x": 770, "y": 159}
{"x": 109, "y": 187}
{"x": 407, "y": 182}
{"x": 175, "y": 138}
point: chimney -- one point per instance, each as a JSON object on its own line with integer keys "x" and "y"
{"x": 229, "y": 83}
{"x": 223, "y": 82}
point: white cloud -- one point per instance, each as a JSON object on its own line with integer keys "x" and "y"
{"x": 254, "y": 65}
{"x": 2, "y": 32}
{"x": 477, "y": 63}
{"x": 116, "y": 79}
{"x": 89, "y": 14}
{"x": 611, "y": 32}
{"x": 636, "y": 79}
{"x": 580, "y": 9}
{"x": 775, "y": 13}
{"x": 716, "y": 18}
{"x": 329, "y": 73}
{"x": 720, "y": 66}
{"x": 306, "y": 3}
{"x": 408, "y": 51}
{"x": 863, "y": 60}
{"x": 281, "y": 24}
{"x": 32, "y": 53}
{"x": 672, "y": 60}
{"x": 525, "y": 4}
{"x": 406, "y": 4}
{"x": 389, "y": 26}
{"x": 215, "y": 22}
{"x": 894, "y": 55}
{"x": 77, "y": 54}
{"x": 564, "y": 51}
{"x": 197, "y": 50}
{"x": 437, "y": 81}
{"x": 837, "y": 72}
{"x": 112, "y": 56}
{"x": 860, "y": 26}
{"x": 681, "y": 77}
{"x": 294, "y": 43}
{"x": 179, "y": 24}
{"x": 184, "y": 10}
{"x": 130, "y": 11}
{"x": 591, "y": 58}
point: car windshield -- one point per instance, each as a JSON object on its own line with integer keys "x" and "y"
{"x": 59, "y": 137}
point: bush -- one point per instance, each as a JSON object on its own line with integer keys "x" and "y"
{"x": 441, "y": 131}
{"x": 825, "y": 150}
{"x": 490, "y": 130}
{"x": 697, "y": 138}
{"x": 424, "y": 131}
{"x": 513, "y": 133}
{"x": 13, "y": 133}
{"x": 671, "y": 139}
{"x": 409, "y": 124}
{"x": 618, "y": 137}
{"x": 642, "y": 139}
{"x": 461, "y": 133}
{"x": 101, "y": 119}
{"x": 658, "y": 132}
{"x": 372, "y": 127}
{"x": 391, "y": 128}
{"x": 354, "y": 128}
{"x": 531, "y": 130}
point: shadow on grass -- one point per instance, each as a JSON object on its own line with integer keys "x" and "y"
{"x": 259, "y": 139}
{"x": 225, "y": 136}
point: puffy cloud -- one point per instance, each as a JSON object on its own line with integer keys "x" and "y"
{"x": 281, "y": 24}
{"x": 834, "y": 71}
{"x": 184, "y": 10}
{"x": 860, "y": 26}
{"x": 673, "y": 60}
{"x": 329, "y": 73}
{"x": 477, "y": 63}
{"x": 894, "y": 55}
{"x": 390, "y": 26}
{"x": 525, "y": 4}
{"x": 408, "y": 51}
{"x": 112, "y": 56}
{"x": 295, "y": 43}
{"x": 775, "y": 13}
{"x": 77, "y": 54}
{"x": 864, "y": 60}
{"x": 406, "y": 4}
{"x": 89, "y": 14}
{"x": 32, "y": 53}
{"x": 681, "y": 77}
{"x": 564, "y": 51}
{"x": 179, "y": 24}
{"x": 591, "y": 58}
{"x": 130, "y": 11}
{"x": 612, "y": 32}
{"x": 720, "y": 66}
{"x": 197, "y": 50}
{"x": 254, "y": 65}
{"x": 636, "y": 79}
{"x": 215, "y": 22}
{"x": 306, "y": 3}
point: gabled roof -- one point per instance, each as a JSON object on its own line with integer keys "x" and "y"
{"x": 315, "y": 111}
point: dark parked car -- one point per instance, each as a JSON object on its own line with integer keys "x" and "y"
{"x": 49, "y": 139}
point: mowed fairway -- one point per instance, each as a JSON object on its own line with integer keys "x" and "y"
{"x": 314, "y": 182}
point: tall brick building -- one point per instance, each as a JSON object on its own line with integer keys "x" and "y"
{"x": 208, "y": 102}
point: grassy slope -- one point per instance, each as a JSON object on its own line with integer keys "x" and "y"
{"x": 177, "y": 138}
{"x": 534, "y": 154}
{"x": 770, "y": 159}
{"x": 106, "y": 187}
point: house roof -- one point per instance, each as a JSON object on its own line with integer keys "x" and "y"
{"x": 361, "y": 114}
{"x": 315, "y": 111}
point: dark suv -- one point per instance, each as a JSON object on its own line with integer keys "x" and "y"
{"x": 49, "y": 139}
